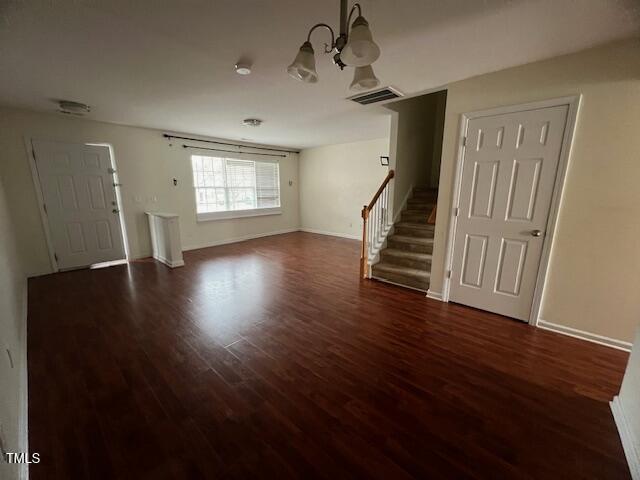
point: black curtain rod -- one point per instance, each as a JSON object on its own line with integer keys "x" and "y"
{"x": 166, "y": 135}
{"x": 232, "y": 151}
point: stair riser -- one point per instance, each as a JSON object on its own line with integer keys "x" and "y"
{"x": 415, "y": 217}
{"x": 414, "y": 232}
{"x": 410, "y": 247}
{"x": 425, "y": 197}
{"x": 420, "y": 204}
{"x": 406, "y": 262}
{"x": 402, "y": 279}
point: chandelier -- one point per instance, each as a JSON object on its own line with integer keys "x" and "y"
{"x": 352, "y": 48}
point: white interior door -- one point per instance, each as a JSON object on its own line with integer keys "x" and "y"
{"x": 508, "y": 177}
{"x": 80, "y": 203}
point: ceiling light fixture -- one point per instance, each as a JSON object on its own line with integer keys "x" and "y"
{"x": 73, "y": 108}
{"x": 251, "y": 122}
{"x": 354, "y": 48}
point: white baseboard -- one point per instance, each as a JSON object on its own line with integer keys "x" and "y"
{"x": 39, "y": 274}
{"x": 434, "y": 295}
{"x": 331, "y": 234}
{"x": 588, "y": 336}
{"x": 384, "y": 280}
{"x": 227, "y": 241}
{"x": 169, "y": 263}
{"x": 629, "y": 442}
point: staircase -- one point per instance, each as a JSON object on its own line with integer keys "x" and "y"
{"x": 406, "y": 260}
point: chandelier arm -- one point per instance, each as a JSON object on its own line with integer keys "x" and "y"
{"x": 355, "y": 5}
{"x": 327, "y": 49}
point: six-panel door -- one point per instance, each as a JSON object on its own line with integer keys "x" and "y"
{"x": 508, "y": 177}
{"x": 81, "y": 204}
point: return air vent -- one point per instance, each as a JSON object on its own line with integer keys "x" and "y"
{"x": 380, "y": 95}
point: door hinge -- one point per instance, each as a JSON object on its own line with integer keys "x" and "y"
{"x": 33, "y": 153}
{"x": 448, "y": 273}
{"x": 456, "y": 210}
{"x": 44, "y": 205}
{"x": 464, "y": 141}
{"x": 55, "y": 255}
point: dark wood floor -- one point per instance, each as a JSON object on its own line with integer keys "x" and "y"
{"x": 269, "y": 358}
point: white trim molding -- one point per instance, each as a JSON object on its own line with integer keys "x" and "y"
{"x": 573, "y": 103}
{"x": 629, "y": 441}
{"x": 582, "y": 335}
{"x": 331, "y": 234}
{"x": 169, "y": 263}
{"x": 384, "y": 280}
{"x": 434, "y": 295}
{"x": 244, "y": 238}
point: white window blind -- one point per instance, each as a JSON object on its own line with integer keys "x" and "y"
{"x": 231, "y": 184}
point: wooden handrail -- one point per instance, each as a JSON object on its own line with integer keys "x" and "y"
{"x": 387, "y": 179}
{"x": 365, "y": 218}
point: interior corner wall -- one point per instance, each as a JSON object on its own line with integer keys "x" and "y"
{"x": 336, "y": 181}
{"x": 146, "y": 167}
{"x": 416, "y": 140}
{"x": 13, "y": 352}
{"x": 594, "y": 270}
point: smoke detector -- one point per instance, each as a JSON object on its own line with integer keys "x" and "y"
{"x": 251, "y": 122}
{"x": 243, "y": 68}
{"x": 73, "y": 108}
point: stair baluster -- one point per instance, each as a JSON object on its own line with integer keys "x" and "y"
{"x": 375, "y": 218}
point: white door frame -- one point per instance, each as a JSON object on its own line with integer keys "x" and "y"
{"x": 31, "y": 155}
{"x": 573, "y": 102}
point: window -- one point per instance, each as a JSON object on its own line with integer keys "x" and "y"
{"x": 231, "y": 187}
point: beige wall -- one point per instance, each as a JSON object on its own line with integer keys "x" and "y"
{"x": 336, "y": 181}
{"x": 416, "y": 137}
{"x": 594, "y": 271}
{"x": 146, "y": 166}
{"x": 13, "y": 381}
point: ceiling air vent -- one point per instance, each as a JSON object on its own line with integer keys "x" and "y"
{"x": 380, "y": 95}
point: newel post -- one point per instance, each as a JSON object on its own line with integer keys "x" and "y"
{"x": 363, "y": 253}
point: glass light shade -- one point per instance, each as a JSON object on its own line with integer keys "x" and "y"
{"x": 303, "y": 67}
{"x": 364, "y": 79}
{"x": 360, "y": 49}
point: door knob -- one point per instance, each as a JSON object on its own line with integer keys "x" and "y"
{"x": 536, "y": 233}
{"x": 115, "y": 210}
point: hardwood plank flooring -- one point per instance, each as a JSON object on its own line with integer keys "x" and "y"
{"x": 270, "y": 359}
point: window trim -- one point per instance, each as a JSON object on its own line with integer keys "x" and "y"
{"x": 229, "y": 214}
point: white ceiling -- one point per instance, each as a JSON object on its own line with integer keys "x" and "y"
{"x": 169, "y": 64}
